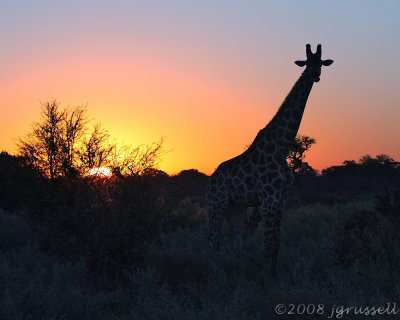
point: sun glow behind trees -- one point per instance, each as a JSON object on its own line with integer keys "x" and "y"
{"x": 99, "y": 172}
{"x": 61, "y": 145}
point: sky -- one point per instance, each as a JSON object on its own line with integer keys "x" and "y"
{"x": 207, "y": 75}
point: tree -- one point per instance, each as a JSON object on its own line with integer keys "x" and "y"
{"x": 306, "y": 169}
{"x": 44, "y": 148}
{"x": 136, "y": 161}
{"x": 349, "y": 163}
{"x": 73, "y": 128}
{"x": 51, "y": 146}
{"x": 367, "y": 160}
{"x": 379, "y": 160}
{"x": 297, "y": 154}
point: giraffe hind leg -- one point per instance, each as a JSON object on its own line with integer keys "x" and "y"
{"x": 252, "y": 220}
{"x": 273, "y": 214}
{"x": 235, "y": 222}
{"x": 215, "y": 228}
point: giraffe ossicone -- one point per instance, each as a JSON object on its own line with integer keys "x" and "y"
{"x": 260, "y": 176}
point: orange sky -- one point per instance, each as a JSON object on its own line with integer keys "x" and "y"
{"x": 207, "y": 80}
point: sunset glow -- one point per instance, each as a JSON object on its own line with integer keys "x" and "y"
{"x": 101, "y": 172}
{"x": 206, "y": 75}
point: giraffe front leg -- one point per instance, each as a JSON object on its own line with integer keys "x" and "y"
{"x": 235, "y": 221}
{"x": 215, "y": 229}
{"x": 272, "y": 218}
{"x": 214, "y": 242}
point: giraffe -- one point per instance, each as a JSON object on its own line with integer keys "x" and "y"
{"x": 260, "y": 176}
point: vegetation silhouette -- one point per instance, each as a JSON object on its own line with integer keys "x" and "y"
{"x": 296, "y": 155}
{"x": 51, "y": 146}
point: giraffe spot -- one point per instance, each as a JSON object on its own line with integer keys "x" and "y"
{"x": 269, "y": 148}
{"x": 277, "y": 183}
{"x": 254, "y": 157}
{"x": 272, "y": 175}
{"x": 247, "y": 168}
{"x": 278, "y": 157}
{"x": 261, "y": 169}
{"x": 297, "y": 114}
{"x": 241, "y": 174}
{"x": 269, "y": 189}
{"x": 241, "y": 189}
{"x": 261, "y": 144}
{"x": 273, "y": 166}
{"x": 286, "y": 114}
{"x": 236, "y": 180}
{"x": 234, "y": 171}
{"x": 249, "y": 182}
{"x": 293, "y": 125}
{"x": 264, "y": 178}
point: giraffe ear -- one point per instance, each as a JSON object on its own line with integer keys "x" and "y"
{"x": 327, "y": 62}
{"x": 301, "y": 63}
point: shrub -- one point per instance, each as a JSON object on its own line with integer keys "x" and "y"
{"x": 372, "y": 235}
{"x": 15, "y": 231}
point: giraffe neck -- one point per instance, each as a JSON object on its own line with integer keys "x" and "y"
{"x": 285, "y": 124}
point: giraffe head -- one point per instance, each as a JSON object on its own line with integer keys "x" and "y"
{"x": 314, "y": 63}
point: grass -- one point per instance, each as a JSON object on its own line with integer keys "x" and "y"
{"x": 171, "y": 281}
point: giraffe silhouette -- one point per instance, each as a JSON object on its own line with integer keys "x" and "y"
{"x": 260, "y": 176}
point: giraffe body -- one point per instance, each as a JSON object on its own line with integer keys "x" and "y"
{"x": 260, "y": 176}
